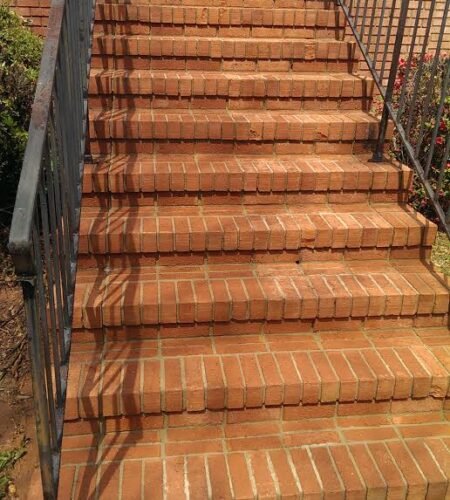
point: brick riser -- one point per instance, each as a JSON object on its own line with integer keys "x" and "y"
{"x": 255, "y": 315}
{"x": 192, "y": 20}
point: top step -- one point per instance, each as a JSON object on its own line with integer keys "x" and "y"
{"x": 143, "y": 5}
{"x": 234, "y": 21}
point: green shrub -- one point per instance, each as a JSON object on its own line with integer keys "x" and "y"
{"x": 20, "y": 52}
{"x": 418, "y": 198}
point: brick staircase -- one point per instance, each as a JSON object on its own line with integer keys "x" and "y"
{"x": 255, "y": 313}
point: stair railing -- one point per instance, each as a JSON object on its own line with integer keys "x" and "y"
{"x": 44, "y": 233}
{"x": 395, "y": 35}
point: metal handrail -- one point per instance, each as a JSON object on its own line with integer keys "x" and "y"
{"x": 374, "y": 21}
{"x": 44, "y": 232}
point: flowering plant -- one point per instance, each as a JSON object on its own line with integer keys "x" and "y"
{"x": 418, "y": 118}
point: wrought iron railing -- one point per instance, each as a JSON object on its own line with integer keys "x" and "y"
{"x": 402, "y": 43}
{"x": 43, "y": 237}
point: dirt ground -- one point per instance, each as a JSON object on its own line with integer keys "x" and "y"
{"x": 17, "y": 432}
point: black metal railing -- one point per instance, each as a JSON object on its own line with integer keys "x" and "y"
{"x": 43, "y": 237}
{"x": 402, "y": 42}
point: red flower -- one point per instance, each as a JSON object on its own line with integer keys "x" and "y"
{"x": 398, "y": 83}
{"x": 443, "y": 126}
{"x": 401, "y": 63}
{"x": 440, "y": 140}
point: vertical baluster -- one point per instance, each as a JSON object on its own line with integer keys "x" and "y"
{"x": 59, "y": 270}
{"x": 380, "y": 29}
{"x": 356, "y": 16}
{"x": 401, "y": 101}
{"x": 364, "y": 17}
{"x": 44, "y": 342}
{"x": 350, "y": 7}
{"x": 371, "y": 25}
{"x": 52, "y": 328}
{"x": 378, "y": 154}
{"x": 388, "y": 38}
{"x": 58, "y": 224}
{"x": 39, "y": 388}
{"x": 419, "y": 73}
{"x": 62, "y": 202}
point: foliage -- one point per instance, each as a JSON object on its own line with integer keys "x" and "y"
{"x": 427, "y": 88}
{"x": 440, "y": 255}
{"x": 20, "y": 52}
{"x": 7, "y": 460}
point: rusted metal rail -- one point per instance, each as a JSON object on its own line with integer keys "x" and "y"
{"x": 44, "y": 232}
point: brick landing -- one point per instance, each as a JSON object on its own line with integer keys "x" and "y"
{"x": 360, "y": 456}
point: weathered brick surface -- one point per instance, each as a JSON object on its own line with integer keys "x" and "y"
{"x": 273, "y": 291}
{"x": 227, "y": 90}
{"x": 247, "y": 228}
{"x": 245, "y": 460}
{"x": 248, "y": 372}
{"x": 255, "y": 315}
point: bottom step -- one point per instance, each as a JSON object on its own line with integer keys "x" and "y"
{"x": 362, "y": 456}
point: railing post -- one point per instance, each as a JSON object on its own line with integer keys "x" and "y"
{"x": 379, "y": 148}
{"x": 39, "y": 389}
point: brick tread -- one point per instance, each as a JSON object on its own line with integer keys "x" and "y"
{"x": 245, "y": 372}
{"x": 242, "y": 84}
{"x": 233, "y": 173}
{"x": 250, "y": 228}
{"x": 236, "y": 126}
{"x": 279, "y": 292}
{"x": 309, "y": 459}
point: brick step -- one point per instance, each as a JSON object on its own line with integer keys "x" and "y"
{"x": 219, "y": 29}
{"x": 144, "y": 5}
{"x": 223, "y": 54}
{"x": 283, "y": 293}
{"x": 235, "y": 23}
{"x": 157, "y": 89}
{"x": 120, "y": 19}
{"x": 251, "y": 229}
{"x": 231, "y": 372}
{"x": 175, "y": 131}
{"x": 407, "y": 456}
{"x": 274, "y": 48}
{"x": 205, "y": 180}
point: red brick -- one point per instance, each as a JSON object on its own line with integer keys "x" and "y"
{"x": 173, "y": 385}
{"x": 215, "y": 386}
{"x": 218, "y": 474}
{"x": 306, "y": 472}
